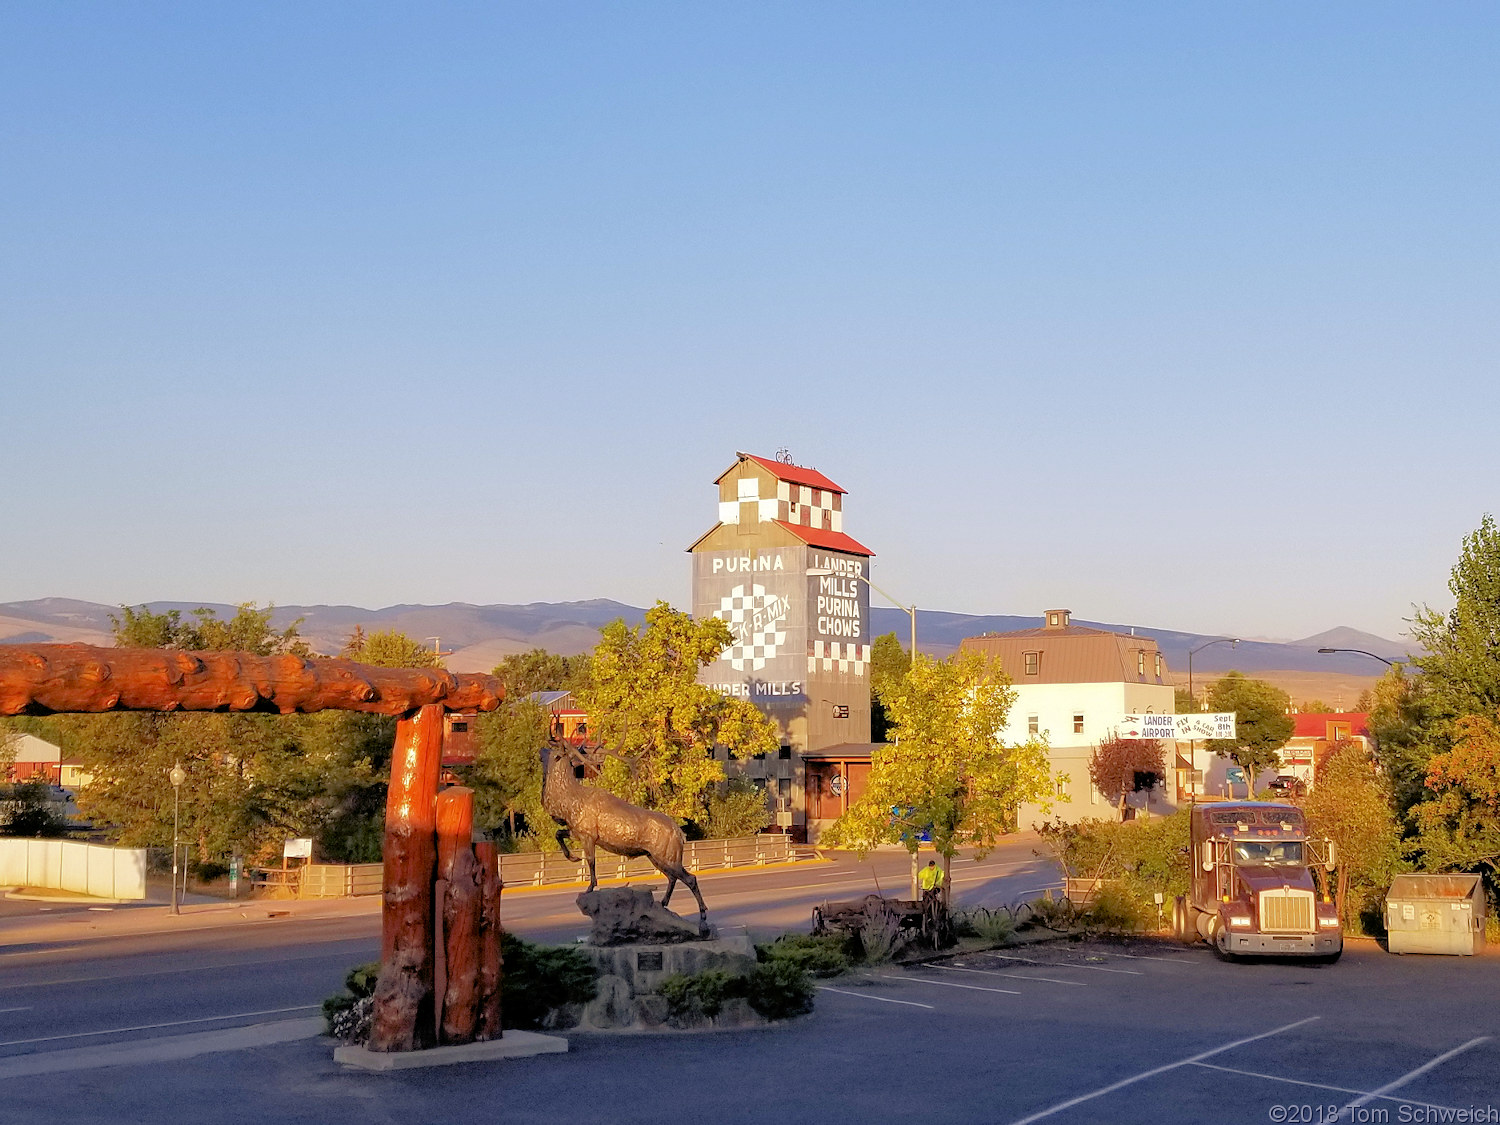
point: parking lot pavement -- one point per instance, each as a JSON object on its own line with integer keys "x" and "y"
{"x": 1151, "y": 1033}
{"x": 1059, "y": 1032}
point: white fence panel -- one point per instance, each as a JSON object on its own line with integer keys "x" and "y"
{"x": 65, "y": 865}
{"x": 75, "y": 868}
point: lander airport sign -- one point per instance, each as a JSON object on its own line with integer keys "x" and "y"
{"x": 1178, "y": 728}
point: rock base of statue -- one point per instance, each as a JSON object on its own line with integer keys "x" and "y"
{"x": 631, "y": 915}
{"x": 630, "y": 977}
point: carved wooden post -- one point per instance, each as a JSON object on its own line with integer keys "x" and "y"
{"x": 490, "y": 964}
{"x": 461, "y": 913}
{"x": 403, "y": 998}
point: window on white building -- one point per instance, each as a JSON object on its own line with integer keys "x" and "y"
{"x": 1077, "y": 722}
{"x": 1033, "y": 724}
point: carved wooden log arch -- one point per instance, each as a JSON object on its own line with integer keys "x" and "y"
{"x": 83, "y": 679}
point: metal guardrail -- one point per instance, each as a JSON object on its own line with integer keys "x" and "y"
{"x": 532, "y": 869}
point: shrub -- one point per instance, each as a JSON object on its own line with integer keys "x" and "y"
{"x": 1140, "y": 857}
{"x": 881, "y": 937}
{"x": 701, "y": 994}
{"x": 1115, "y": 910}
{"x": 779, "y": 990}
{"x": 348, "y": 1014}
{"x": 821, "y": 956}
{"x": 776, "y": 990}
{"x": 993, "y": 926}
{"x": 539, "y": 978}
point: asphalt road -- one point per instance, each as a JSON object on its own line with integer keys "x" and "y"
{"x": 169, "y": 978}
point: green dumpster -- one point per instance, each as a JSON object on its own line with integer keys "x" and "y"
{"x": 1435, "y": 914}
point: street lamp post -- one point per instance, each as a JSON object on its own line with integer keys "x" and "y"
{"x": 910, "y": 611}
{"x": 1232, "y": 642}
{"x": 176, "y": 775}
{"x": 1362, "y": 652}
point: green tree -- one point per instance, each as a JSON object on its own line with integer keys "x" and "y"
{"x": 389, "y": 648}
{"x": 1184, "y": 703}
{"x": 522, "y": 673}
{"x": 1350, "y": 804}
{"x": 249, "y": 630}
{"x": 1315, "y": 707}
{"x": 252, "y": 780}
{"x": 1399, "y": 728}
{"x": 506, "y": 774}
{"x": 1262, "y": 725}
{"x": 1461, "y": 666}
{"x": 948, "y": 772}
{"x": 737, "y": 808}
{"x": 658, "y": 723}
{"x": 27, "y": 809}
{"x": 888, "y": 664}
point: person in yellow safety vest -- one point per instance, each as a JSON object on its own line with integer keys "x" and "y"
{"x": 930, "y": 878}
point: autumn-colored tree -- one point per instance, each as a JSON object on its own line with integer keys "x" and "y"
{"x": 1350, "y": 804}
{"x": 1121, "y": 766}
{"x": 657, "y": 723}
{"x": 1459, "y": 827}
{"x": 948, "y": 772}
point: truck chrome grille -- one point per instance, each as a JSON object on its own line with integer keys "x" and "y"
{"x": 1286, "y": 912}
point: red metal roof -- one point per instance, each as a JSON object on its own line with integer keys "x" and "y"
{"x": 1316, "y": 725}
{"x": 796, "y": 474}
{"x": 828, "y": 540}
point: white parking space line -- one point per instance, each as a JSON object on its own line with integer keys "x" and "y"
{"x": 1154, "y": 1071}
{"x": 872, "y": 996}
{"x": 157, "y": 1026}
{"x": 951, "y": 984}
{"x": 1056, "y": 965}
{"x": 1148, "y": 957}
{"x": 1319, "y": 1085}
{"x": 1008, "y": 976}
{"x": 1409, "y": 1075}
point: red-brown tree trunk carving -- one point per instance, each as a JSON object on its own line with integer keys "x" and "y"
{"x": 491, "y": 966}
{"x": 53, "y": 679}
{"x": 461, "y": 913}
{"x": 403, "y": 997}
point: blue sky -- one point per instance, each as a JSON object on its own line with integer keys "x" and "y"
{"x": 1174, "y": 314}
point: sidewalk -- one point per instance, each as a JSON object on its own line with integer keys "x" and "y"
{"x": 199, "y": 912}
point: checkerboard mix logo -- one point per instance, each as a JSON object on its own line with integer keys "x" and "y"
{"x": 755, "y": 619}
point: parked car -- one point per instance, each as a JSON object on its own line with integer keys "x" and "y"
{"x": 1288, "y": 785}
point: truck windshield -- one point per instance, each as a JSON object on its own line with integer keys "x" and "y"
{"x": 1268, "y": 853}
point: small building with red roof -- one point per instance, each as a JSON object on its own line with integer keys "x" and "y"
{"x": 1314, "y": 735}
{"x": 793, "y": 586}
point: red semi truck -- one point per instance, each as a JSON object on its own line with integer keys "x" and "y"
{"x": 1252, "y": 891}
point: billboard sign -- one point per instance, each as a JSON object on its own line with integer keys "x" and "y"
{"x": 1178, "y": 728}
{"x": 838, "y": 602}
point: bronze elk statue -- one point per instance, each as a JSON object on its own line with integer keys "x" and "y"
{"x": 597, "y": 818}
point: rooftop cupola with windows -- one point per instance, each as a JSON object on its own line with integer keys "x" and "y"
{"x": 1057, "y": 618}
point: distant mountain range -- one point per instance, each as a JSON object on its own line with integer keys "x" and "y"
{"x": 478, "y": 636}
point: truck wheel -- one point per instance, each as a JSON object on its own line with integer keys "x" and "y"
{"x": 1180, "y": 920}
